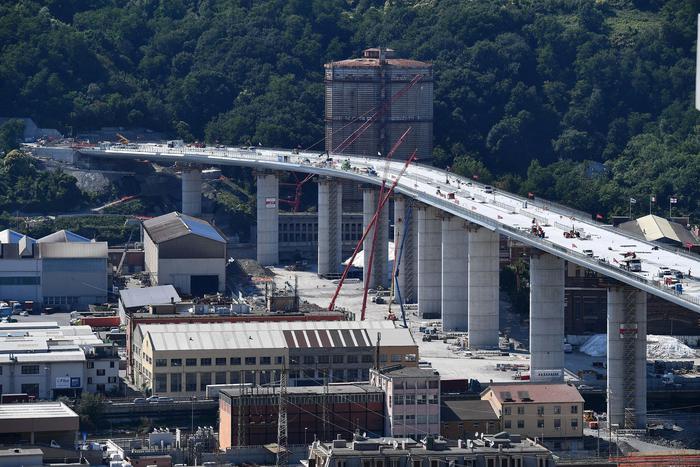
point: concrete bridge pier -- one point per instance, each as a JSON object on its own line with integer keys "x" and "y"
{"x": 429, "y": 262}
{"x": 267, "y": 218}
{"x": 380, "y": 272}
{"x": 330, "y": 217}
{"x": 483, "y": 288}
{"x": 546, "y": 317}
{"x": 191, "y": 191}
{"x": 627, "y": 346}
{"x": 455, "y": 277}
{"x": 405, "y": 232}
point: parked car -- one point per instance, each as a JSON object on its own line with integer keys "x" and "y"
{"x": 140, "y": 400}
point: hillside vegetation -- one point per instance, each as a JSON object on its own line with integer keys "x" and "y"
{"x": 581, "y": 101}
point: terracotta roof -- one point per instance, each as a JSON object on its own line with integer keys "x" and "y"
{"x": 534, "y": 392}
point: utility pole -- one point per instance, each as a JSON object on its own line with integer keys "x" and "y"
{"x": 282, "y": 451}
{"x": 242, "y": 421}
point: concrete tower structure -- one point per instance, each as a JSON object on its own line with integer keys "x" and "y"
{"x": 267, "y": 218}
{"x": 356, "y": 88}
{"x": 191, "y": 191}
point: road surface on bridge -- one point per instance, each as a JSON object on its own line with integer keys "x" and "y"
{"x": 599, "y": 248}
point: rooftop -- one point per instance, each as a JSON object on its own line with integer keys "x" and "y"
{"x": 11, "y": 236}
{"x": 292, "y": 334}
{"x": 14, "y": 452}
{"x": 35, "y": 410}
{"x": 500, "y": 442}
{"x": 467, "y": 410}
{"x": 655, "y": 228}
{"x": 158, "y": 295}
{"x": 409, "y": 372}
{"x": 174, "y": 225}
{"x": 333, "y": 389}
{"x": 534, "y": 392}
{"x": 63, "y": 236}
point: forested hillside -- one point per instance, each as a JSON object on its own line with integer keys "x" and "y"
{"x": 586, "y": 102}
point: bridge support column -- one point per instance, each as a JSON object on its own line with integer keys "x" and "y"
{"x": 267, "y": 218}
{"x": 429, "y": 262}
{"x": 380, "y": 273}
{"x": 405, "y": 233}
{"x": 330, "y": 217}
{"x": 627, "y": 346}
{"x": 191, "y": 191}
{"x": 455, "y": 278}
{"x": 483, "y": 288}
{"x": 546, "y": 318}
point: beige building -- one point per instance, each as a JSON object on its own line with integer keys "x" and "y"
{"x": 537, "y": 409}
{"x": 186, "y": 252}
{"x": 183, "y": 359}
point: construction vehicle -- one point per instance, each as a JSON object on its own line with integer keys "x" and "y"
{"x": 590, "y": 419}
{"x": 572, "y": 234}
{"x": 122, "y": 139}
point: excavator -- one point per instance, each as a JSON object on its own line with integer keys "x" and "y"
{"x": 122, "y": 139}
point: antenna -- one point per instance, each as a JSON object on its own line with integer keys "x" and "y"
{"x": 379, "y": 340}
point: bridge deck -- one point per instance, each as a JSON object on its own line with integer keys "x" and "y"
{"x": 506, "y": 213}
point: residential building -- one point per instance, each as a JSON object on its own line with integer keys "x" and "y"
{"x": 537, "y": 409}
{"x": 253, "y": 411}
{"x": 46, "y": 361}
{"x": 184, "y": 358}
{"x": 38, "y": 423}
{"x": 502, "y": 449}
{"x": 62, "y": 270}
{"x": 467, "y": 418}
{"x": 412, "y": 400}
{"x": 186, "y": 252}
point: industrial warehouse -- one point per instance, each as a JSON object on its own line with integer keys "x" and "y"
{"x": 183, "y": 359}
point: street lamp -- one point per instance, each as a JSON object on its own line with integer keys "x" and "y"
{"x": 305, "y": 430}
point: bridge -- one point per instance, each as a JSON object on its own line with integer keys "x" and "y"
{"x": 451, "y": 264}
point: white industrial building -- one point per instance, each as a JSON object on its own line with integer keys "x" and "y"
{"x": 186, "y": 252}
{"x": 62, "y": 270}
{"x": 46, "y": 360}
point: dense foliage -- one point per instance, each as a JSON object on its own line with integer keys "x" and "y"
{"x": 587, "y": 102}
{"x": 25, "y": 189}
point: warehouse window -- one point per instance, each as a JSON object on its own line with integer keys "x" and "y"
{"x": 175, "y": 382}
{"x": 31, "y": 389}
{"x": 161, "y": 362}
{"x": 235, "y": 361}
{"x": 235, "y": 377}
{"x": 352, "y": 359}
{"x": 30, "y": 370}
{"x": 191, "y": 382}
{"x": 175, "y": 362}
{"x": 191, "y": 362}
{"x": 204, "y": 381}
{"x": 338, "y": 359}
{"x": 220, "y": 361}
{"x": 161, "y": 383}
{"x": 220, "y": 377}
{"x": 100, "y": 372}
{"x": 250, "y": 360}
{"x": 265, "y": 360}
{"x": 205, "y": 361}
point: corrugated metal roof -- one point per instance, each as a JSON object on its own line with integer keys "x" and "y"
{"x": 63, "y": 236}
{"x": 273, "y": 335}
{"x": 173, "y": 225}
{"x": 73, "y": 250}
{"x": 36, "y": 410}
{"x": 158, "y": 295}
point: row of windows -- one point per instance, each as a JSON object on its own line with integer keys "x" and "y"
{"x": 249, "y": 376}
{"x": 60, "y": 300}
{"x": 556, "y": 423}
{"x": 91, "y": 365}
{"x": 337, "y": 359}
{"x": 556, "y": 410}
{"x": 219, "y": 361}
{"x": 411, "y": 418}
{"x": 411, "y": 399}
{"x": 501, "y": 461}
{"x": 24, "y": 280}
{"x": 309, "y": 232}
